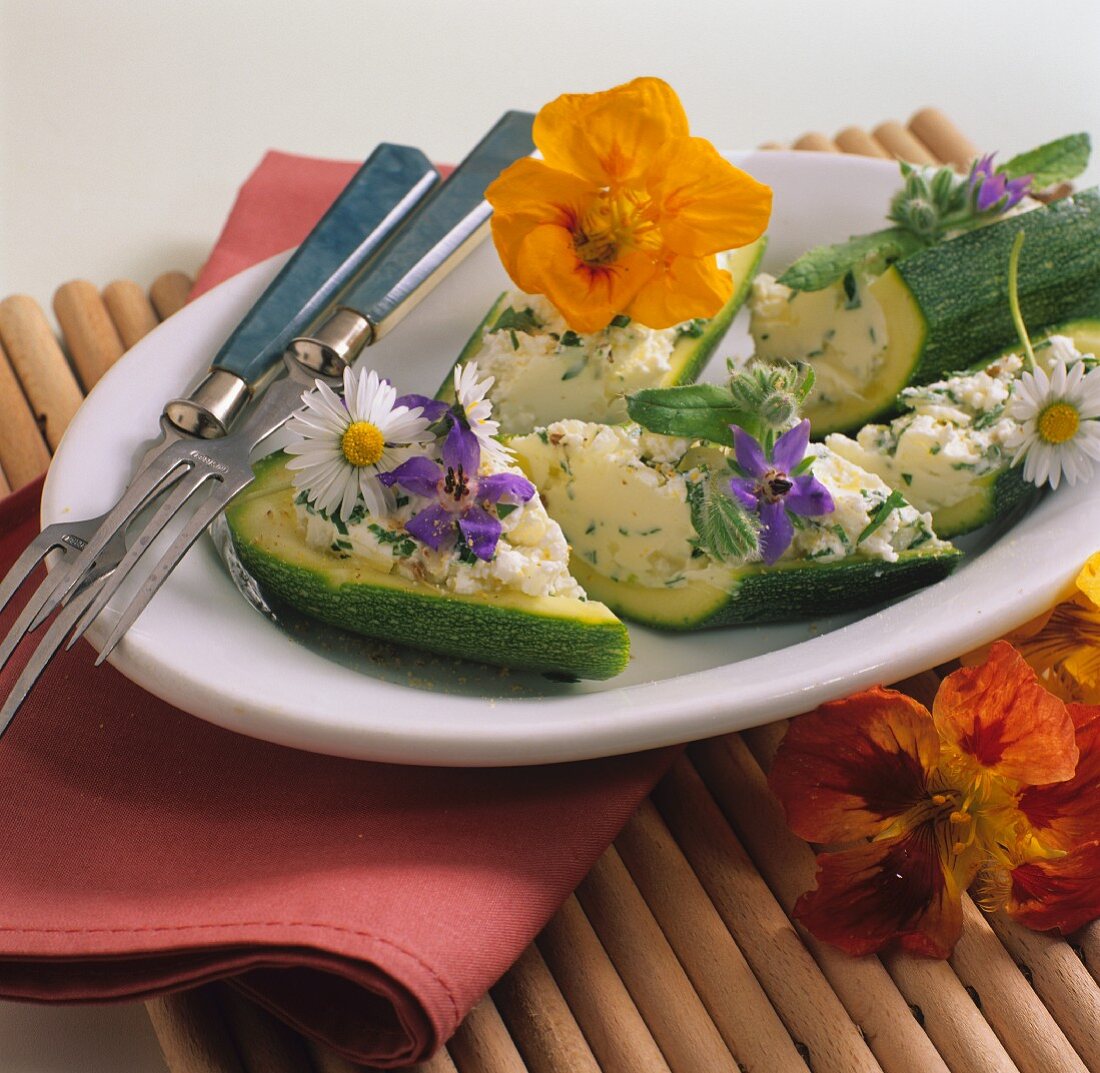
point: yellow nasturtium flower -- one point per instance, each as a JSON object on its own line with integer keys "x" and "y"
{"x": 625, "y": 212}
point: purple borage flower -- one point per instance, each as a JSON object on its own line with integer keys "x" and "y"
{"x": 462, "y": 498}
{"x": 772, "y": 488}
{"x": 992, "y": 187}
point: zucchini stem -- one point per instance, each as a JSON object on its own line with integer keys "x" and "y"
{"x": 1014, "y": 301}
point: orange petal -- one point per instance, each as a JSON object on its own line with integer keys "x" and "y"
{"x": 850, "y": 768}
{"x": 610, "y": 137}
{"x": 679, "y": 290}
{"x": 1000, "y": 715}
{"x": 706, "y": 205}
{"x": 529, "y": 194}
{"x": 587, "y": 297}
{"x": 896, "y": 889}
{"x": 1063, "y": 894}
{"x": 1067, "y": 814}
{"x": 1088, "y": 580}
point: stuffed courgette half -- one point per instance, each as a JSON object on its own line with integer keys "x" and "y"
{"x": 544, "y": 372}
{"x": 929, "y": 296}
{"x": 951, "y": 452}
{"x": 394, "y": 519}
{"x": 637, "y": 510}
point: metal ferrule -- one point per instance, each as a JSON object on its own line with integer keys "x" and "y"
{"x": 209, "y": 411}
{"x": 335, "y": 344}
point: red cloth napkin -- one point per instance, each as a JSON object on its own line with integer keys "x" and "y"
{"x": 143, "y": 850}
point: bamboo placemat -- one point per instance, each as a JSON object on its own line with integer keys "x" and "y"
{"x": 677, "y": 954}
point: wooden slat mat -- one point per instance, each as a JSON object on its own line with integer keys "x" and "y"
{"x": 677, "y": 953}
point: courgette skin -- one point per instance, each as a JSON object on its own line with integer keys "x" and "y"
{"x": 961, "y": 286}
{"x": 947, "y": 307}
{"x": 556, "y": 635}
{"x": 998, "y": 494}
{"x": 689, "y": 356}
{"x": 781, "y": 593}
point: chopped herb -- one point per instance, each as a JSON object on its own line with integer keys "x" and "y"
{"x": 543, "y": 435}
{"x": 851, "y": 291}
{"x": 674, "y": 580}
{"x": 649, "y": 532}
{"x": 871, "y": 333}
{"x": 892, "y": 502}
{"x": 842, "y": 536}
{"x": 590, "y": 556}
{"x": 692, "y": 329}
{"x": 907, "y": 477}
{"x": 504, "y": 509}
{"x": 571, "y": 339}
{"x": 402, "y": 545}
{"x": 935, "y": 448}
{"x": 359, "y": 513}
{"x": 621, "y": 321}
{"x": 517, "y": 320}
{"x": 591, "y": 529}
{"x": 576, "y": 368}
{"x": 990, "y": 417}
{"x": 514, "y": 338}
{"x": 402, "y": 501}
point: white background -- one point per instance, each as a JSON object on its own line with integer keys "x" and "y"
{"x": 127, "y": 125}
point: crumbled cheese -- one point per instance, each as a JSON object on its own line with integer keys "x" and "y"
{"x": 550, "y": 373}
{"x": 531, "y": 557}
{"x": 842, "y": 336}
{"x": 622, "y": 497}
{"x": 954, "y": 432}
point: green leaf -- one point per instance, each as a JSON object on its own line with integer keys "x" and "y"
{"x": 696, "y": 411}
{"x": 1052, "y": 163}
{"x": 726, "y": 531}
{"x": 892, "y": 502}
{"x": 823, "y": 265}
{"x": 517, "y": 320}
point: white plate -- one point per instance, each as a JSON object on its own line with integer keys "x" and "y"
{"x": 200, "y": 646}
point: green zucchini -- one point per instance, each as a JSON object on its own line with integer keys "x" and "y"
{"x": 623, "y": 499}
{"x": 576, "y": 376}
{"x": 552, "y": 634}
{"x": 933, "y": 312}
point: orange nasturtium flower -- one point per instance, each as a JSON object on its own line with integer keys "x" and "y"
{"x": 625, "y": 212}
{"x": 989, "y": 782}
{"x": 1063, "y": 644}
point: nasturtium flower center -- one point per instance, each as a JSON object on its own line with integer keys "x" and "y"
{"x": 363, "y": 443}
{"x": 613, "y": 224}
{"x": 1059, "y": 423}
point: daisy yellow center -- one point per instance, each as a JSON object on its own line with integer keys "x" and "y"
{"x": 612, "y": 224}
{"x": 1059, "y": 422}
{"x": 362, "y": 443}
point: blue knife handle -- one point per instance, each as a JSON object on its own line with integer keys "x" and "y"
{"x": 379, "y": 196}
{"x": 438, "y": 232}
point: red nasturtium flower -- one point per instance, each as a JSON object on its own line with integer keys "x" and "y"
{"x": 625, "y": 212}
{"x": 1001, "y": 778}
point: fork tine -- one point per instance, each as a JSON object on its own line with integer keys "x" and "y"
{"x": 171, "y": 506}
{"x": 207, "y": 511}
{"x": 21, "y": 568}
{"x": 147, "y": 483}
{"x": 49, "y": 644}
{"x": 28, "y": 619}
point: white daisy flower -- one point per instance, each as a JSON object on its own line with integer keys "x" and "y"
{"x": 1059, "y": 431}
{"x": 470, "y": 393}
{"x": 341, "y": 445}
